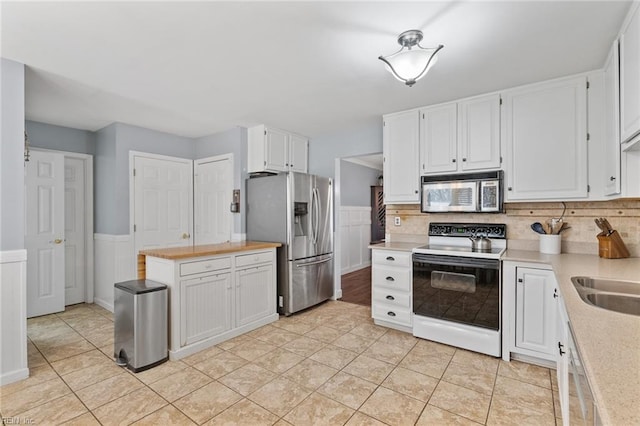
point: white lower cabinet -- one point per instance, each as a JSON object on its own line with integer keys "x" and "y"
{"x": 215, "y": 298}
{"x": 391, "y": 301}
{"x": 254, "y": 296}
{"x": 562, "y": 359}
{"x": 205, "y": 309}
{"x": 536, "y": 311}
{"x": 529, "y": 311}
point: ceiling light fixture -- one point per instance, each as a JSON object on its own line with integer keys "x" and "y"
{"x": 411, "y": 64}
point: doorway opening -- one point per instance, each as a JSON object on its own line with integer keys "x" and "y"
{"x": 358, "y": 182}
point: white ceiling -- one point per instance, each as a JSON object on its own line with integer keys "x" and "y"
{"x": 198, "y": 68}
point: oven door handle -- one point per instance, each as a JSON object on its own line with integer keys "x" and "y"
{"x": 434, "y": 259}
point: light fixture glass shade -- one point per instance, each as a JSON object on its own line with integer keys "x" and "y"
{"x": 412, "y": 61}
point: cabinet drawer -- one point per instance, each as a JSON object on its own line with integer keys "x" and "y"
{"x": 391, "y": 258}
{"x": 200, "y": 266}
{"x": 393, "y": 278}
{"x": 400, "y": 299}
{"x": 253, "y": 258}
{"x": 390, "y": 313}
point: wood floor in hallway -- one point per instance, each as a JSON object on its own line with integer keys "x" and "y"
{"x": 356, "y": 287}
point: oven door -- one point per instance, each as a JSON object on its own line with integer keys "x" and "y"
{"x": 463, "y": 290}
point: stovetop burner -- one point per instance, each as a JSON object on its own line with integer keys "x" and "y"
{"x": 453, "y": 239}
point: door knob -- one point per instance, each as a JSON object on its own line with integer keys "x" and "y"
{"x": 185, "y": 236}
{"x": 57, "y": 241}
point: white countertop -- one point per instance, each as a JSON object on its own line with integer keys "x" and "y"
{"x": 609, "y": 342}
{"x": 397, "y": 246}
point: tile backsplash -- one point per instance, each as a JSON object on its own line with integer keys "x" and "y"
{"x": 624, "y": 216}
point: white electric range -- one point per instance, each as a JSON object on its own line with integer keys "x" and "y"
{"x": 457, "y": 291}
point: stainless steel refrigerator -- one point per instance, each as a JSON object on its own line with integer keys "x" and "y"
{"x": 295, "y": 209}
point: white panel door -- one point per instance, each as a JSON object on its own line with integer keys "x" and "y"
{"x": 400, "y": 141}
{"x": 162, "y": 202}
{"x": 44, "y": 210}
{"x": 212, "y": 195}
{"x": 438, "y": 139}
{"x": 74, "y": 231}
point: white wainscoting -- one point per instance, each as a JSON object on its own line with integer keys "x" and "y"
{"x": 355, "y": 229}
{"x": 114, "y": 262}
{"x": 13, "y": 316}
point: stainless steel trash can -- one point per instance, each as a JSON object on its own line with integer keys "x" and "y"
{"x": 140, "y": 328}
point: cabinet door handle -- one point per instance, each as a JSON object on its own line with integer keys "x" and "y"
{"x": 464, "y": 160}
{"x": 453, "y": 160}
{"x": 560, "y": 346}
{"x": 509, "y": 189}
{"x": 612, "y": 178}
{"x": 391, "y": 314}
{"x": 391, "y": 258}
{"x": 555, "y": 293}
{"x": 390, "y": 297}
{"x": 390, "y": 279}
{"x": 519, "y": 280}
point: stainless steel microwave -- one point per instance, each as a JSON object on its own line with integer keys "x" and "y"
{"x": 469, "y": 192}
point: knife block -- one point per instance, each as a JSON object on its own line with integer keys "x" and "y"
{"x": 611, "y": 246}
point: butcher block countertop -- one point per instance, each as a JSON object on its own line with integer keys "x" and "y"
{"x": 177, "y": 253}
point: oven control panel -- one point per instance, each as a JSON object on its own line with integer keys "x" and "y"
{"x": 490, "y": 230}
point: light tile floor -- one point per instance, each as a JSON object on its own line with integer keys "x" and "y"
{"x": 328, "y": 365}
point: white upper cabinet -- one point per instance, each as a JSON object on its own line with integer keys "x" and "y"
{"x": 630, "y": 76}
{"x": 460, "y": 136}
{"x": 438, "y": 139}
{"x": 298, "y": 153}
{"x": 611, "y": 176}
{"x": 479, "y": 133}
{"x": 545, "y": 132}
{"x": 274, "y": 150}
{"x": 400, "y": 139}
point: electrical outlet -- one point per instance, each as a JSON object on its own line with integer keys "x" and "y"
{"x": 396, "y": 221}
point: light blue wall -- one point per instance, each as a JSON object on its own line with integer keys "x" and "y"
{"x": 60, "y": 138}
{"x": 11, "y": 155}
{"x": 355, "y": 184}
{"x": 365, "y": 138}
{"x": 104, "y": 184}
{"x": 233, "y": 141}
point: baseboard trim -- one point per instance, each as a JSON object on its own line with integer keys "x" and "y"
{"x": 337, "y": 295}
{"x": 14, "y": 376}
{"x": 106, "y": 305}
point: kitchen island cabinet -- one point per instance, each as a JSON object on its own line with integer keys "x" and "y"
{"x": 216, "y": 291}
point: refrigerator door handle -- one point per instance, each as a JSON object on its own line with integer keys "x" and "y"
{"x": 316, "y": 262}
{"x": 316, "y": 206}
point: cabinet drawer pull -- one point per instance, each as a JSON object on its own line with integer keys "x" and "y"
{"x": 391, "y": 258}
{"x": 390, "y": 297}
{"x": 391, "y": 314}
{"x": 390, "y": 279}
